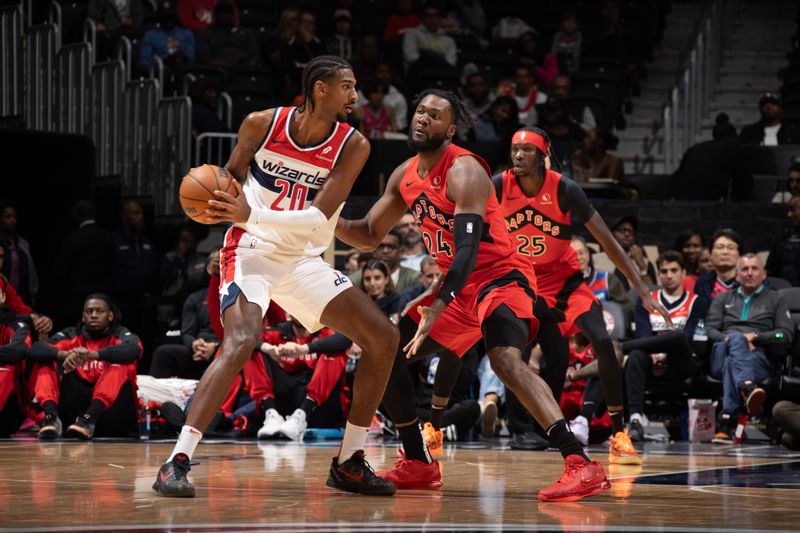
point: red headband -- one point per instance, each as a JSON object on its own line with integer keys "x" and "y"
{"x": 531, "y": 137}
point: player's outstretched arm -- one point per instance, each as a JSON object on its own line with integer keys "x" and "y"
{"x": 366, "y": 233}
{"x": 598, "y": 228}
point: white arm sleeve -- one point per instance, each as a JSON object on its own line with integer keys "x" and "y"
{"x": 306, "y": 220}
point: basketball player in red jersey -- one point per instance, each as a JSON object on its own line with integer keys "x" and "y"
{"x": 487, "y": 290}
{"x": 294, "y": 169}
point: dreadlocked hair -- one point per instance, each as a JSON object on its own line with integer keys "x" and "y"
{"x": 540, "y": 163}
{"x": 460, "y": 112}
{"x": 319, "y": 68}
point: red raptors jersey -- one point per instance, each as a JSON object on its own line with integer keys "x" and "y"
{"x": 434, "y": 212}
{"x": 679, "y": 314}
{"x": 541, "y": 232}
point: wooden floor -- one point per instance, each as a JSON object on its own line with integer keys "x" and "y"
{"x": 105, "y": 486}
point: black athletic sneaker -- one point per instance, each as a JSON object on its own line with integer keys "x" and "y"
{"x": 355, "y": 475}
{"x": 171, "y": 481}
{"x": 83, "y": 428}
{"x": 173, "y": 414}
{"x": 51, "y": 428}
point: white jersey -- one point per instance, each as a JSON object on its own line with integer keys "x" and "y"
{"x": 285, "y": 176}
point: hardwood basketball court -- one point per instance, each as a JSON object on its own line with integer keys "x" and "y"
{"x": 249, "y": 486}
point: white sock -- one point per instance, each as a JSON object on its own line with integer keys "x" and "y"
{"x": 354, "y": 439}
{"x": 187, "y": 442}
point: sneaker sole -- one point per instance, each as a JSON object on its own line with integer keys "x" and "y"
{"x": 489, "y": 420}
{"x": 347, "y": 487}
{"x": 435, "y": 452}
{"x": 624, "y": 460}
{"x": 267, "y": 436}
{"x": 76, "y": 431}
{"x": 755, "y": 403}
{"x": 186, "y": 493}
{"x": 419, "y": 485}
{"x": 597, "y": 489}
{"x": 173, "y": 414}
{"x": 48, "y": 434}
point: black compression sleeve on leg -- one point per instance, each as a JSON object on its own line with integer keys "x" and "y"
{"x": 594, "y": 327}
{"x": 467, "y": 231}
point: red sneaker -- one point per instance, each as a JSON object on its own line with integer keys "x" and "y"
{"x": 581, "y": 478}
{"x": 413, "y": 474}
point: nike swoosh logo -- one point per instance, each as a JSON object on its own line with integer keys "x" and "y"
{"x": 276, "y": 141}
{"x": 590, "y": 480}
{"x": 409, "y": 184}
{"x": 728, "y": 306}
{"x": 352, "y": 477}
{"x": 162, "y": 476}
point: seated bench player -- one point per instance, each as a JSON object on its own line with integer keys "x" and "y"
{"x": 14, "y": 342}
{"x": 88, "y": 374}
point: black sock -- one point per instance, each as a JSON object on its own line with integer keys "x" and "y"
{"x": 561, "y": 437}
{"x": 308, "y": 406}
{"x": 267, "y": 404}
{"x": 587, "y": 411}
{"x": 94, "y": 410}
{"x": 617, "y": 421}
{"x": 413, "y": 444}
{"x": 436, "y": 416}
{"x": 50, "y": 408}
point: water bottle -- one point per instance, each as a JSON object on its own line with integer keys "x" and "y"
{"x": 700, "y": 331}
{"x": 144, "y": 421}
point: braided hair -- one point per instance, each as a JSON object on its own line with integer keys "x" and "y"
{"x": 460, "y": 112}
{"x": 319, "y": 68}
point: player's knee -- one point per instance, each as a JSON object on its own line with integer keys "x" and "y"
{"x": 238, "y": 346}
{"x": 383, "y": 342}
{"x": 504, "y": 363}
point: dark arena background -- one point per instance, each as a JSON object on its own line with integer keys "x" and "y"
{"x": 679, "y": 121}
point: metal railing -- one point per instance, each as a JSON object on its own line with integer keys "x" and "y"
{"x": 174, "y": 142}
{"x": 73, "y": 97}
{"x": 689, "y": 99}
{"x": 213, "y": 148}
{"x": 39, "y": 76}
{"x": 139, "y": 152}
{"x": 11, "y": 22}
{"x": 108, "y": 94}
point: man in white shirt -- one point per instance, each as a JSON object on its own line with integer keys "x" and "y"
{"x": 428, "y": 42}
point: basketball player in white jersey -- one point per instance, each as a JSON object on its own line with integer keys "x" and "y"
{"x": 294, "y": 168}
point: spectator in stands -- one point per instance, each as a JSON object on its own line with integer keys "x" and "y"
{"x": 690, "y": 243}
{"x": 342, "y": 43}
{"x": 745, "y": 325}
{"x": 85, "y": 263}
{"x": 561, "y": 88}
{"x": 369, "y": 55}
{"x": 226, "y": 44}
{"x": 412, "y": 250}
{"x": 726, "y": 248}
{"x": 704, "y": 264}
{"x": 204, "y": 94}
{"x": 792, "y": 184}
{"x": 499, "y": 123}
{"x": 608, "y": 40}
{"x": 302, "y": 48}
{"x": 199, "y": 343}
{"x": 97, "y": 388}
{"x": 18, "y": 266}
{"x": 183, "y": 270}
{"x": 388, "y": 251}
{"x": 542, "y": 62}
{"x": 525, "y": 93}
{"x": 659, "y": 353}
{"x": 305, "y": 370}
{"x": 476, "y": 94}
{"x": 351, "y": 262}
{"x": 134, "y": 274}
{"x": 510, "y": 27}
{"x": 784, "y": 257}
{"x": 401, "y": 21}
{"x": 393, "y": 99}
{"x": 787, "y": 415}
{"x": 465, "y": 17}
{"x": 14, "y": 342}
{"x": 375, "y": 118}
{"x": 709, "y": 170}
{"x": 593, "y": 162}
{"x": 428, "y": 272}
{"x": 555, "y": 120}
{"x": 280, "y": 37}
{"x": 624, "y": 230}
{"x": 11, "y": 305}
{"x": 376, "y": 281}
{"x": 604, "y": 286}
{"x": 172, "y": 43}
{"x": 769, "y": 131}
{"x": 567, "y": 44}
{"x": 114, "y": 18}
{"x": 197, "y": 15}
{"x": 428, "y": 45}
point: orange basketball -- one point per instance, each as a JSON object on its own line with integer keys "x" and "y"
{"x": 198, "y": 187}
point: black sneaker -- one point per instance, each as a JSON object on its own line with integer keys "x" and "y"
{"x": 355, "y": 475}
{"x": 529, "y": 440}
{"x": 83, "y": 428}
{"x": 173, "y": 414}
{"x": 51, "y": 428}
{"x": 171, "y": 481}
